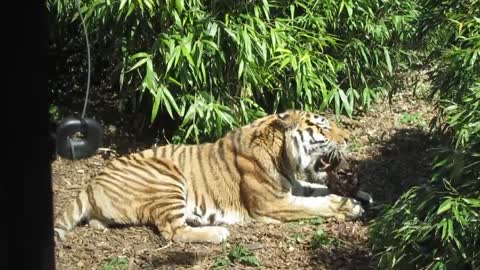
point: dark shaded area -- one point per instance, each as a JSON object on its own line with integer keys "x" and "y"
{"x": 400, "y": 162}
{"x": 342, "y": 257}
{"x": 29, "y": 201}
{"x": 173, "y": 259}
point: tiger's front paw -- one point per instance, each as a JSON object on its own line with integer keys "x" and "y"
{"x": 346, "y": 208}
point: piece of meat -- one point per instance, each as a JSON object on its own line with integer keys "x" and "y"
{"x": 342, "y": 176}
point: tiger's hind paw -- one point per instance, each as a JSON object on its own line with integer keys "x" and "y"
{"x": 211, "y": 234}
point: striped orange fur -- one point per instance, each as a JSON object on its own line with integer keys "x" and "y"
{"x": 189, "y": 191}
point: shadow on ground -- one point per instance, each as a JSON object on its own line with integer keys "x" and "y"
{"x": 398, "y": 163}
{"x": 175, "y": 259}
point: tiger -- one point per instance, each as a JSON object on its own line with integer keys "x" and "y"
{"x": 190, "y": 192}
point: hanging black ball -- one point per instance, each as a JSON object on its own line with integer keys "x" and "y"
{"x": 78, "y": 138}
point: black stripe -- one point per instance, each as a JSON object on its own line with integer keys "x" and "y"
{"x": 211, "y": 219}
{"x": 123, "y": 161}
{"x": 143, "y": 169}
{"x": 121, "y": 186}
{"x": 295, "y": 142}
{"x": 165, "y": 209}
{"x": 170, "y": 187}
{"x": 161, "y": 151}
{"x": 200, "y": 163}
{"x": 310, "y": 123}
{"x": 175, "y": 147}
{"x": 202, "y": 206}
{"x": 310, "y": 132}
{"x": 79, "y": 204}
{"x": 260, "y": 122}
{"x": 278, "y": 125}
{"x": 214, "y": 172}
{"x": 192, "y": 178}
{"x": 158, "y": 205}
{"x": 181, "y": 158}
{"x": 173, "y": 167}
{"x": 236, "y": 140}
{"x": 168, "y": 151}
{"x": 174, "y": 217}
{"x": 221, "y": 154}
{"x": 174, "y": 196}
{"x": 127, "y": 173}
{"x": 113, "y": 194}
{"x": 167, "y": 172}
{"x": 92, "y": 202}
{"x": 274, "y": 189}
{"x": 301, "y": 135}
{"x": 202, "y": 169}
{"x": 129, "y": 181}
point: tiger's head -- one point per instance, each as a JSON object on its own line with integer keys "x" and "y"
{"x": 311, "y": 136}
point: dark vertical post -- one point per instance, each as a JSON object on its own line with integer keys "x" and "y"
{"x": 29, "y": 189}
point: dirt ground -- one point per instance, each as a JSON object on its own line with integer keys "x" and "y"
{"x": 391, "y": 145}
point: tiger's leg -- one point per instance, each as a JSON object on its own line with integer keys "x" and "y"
{"x": 186, "y": 233}
{"x": 169, "y": 212}
{"x": 307, "y": 189}
{"x": 168, "y": 215}
{"x": 173, "y": 225}
{"x": 97, "y": 224}
{"x": 293, "y": 207}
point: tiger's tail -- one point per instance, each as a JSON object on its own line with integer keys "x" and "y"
{"x": 78, "y": 210}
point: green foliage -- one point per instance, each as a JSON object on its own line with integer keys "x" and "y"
{"x": 239, "y": 254}
{"x": 217, "y": 65}
{"x": 116, "y": 264}
{"x": 54, "y": 113}
{"x": 320, "y": 238}
{"x": 314, "y": 221}
{"x": 295, "y": 238}
{"x": 437, "y": 226}
{"x": 415, "y": 119}
{"x": 221, "y": 262}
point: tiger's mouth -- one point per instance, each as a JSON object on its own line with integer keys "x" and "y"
{"x": 329, "y": 162}
{"x": 323, "y": 164}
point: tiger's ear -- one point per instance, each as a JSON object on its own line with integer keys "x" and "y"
{"x": 282, "y": 125}
{"x": 285, "y": 115}
{"x": 288, "y": 119}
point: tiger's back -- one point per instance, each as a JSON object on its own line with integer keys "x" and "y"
{"x": 245, "y": 175}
